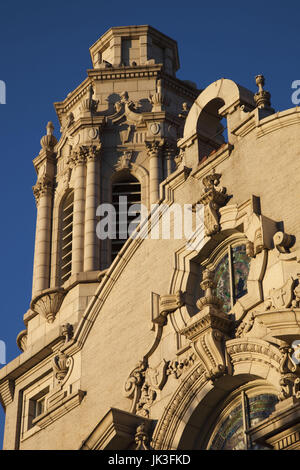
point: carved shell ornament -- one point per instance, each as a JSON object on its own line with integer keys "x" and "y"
{"x": 48, "y": 303}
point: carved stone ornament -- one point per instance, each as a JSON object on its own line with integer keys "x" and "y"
{"x": 142, "y": 386}
{"x": 154, "y": 147}
{"x": 213, "y": 197}
{"x": 290, "y": 374}
{"x": 77, "y": 156}
{"x": 262, "y": 97}
{"x": 133, "y": 385}
{"x": 124, "y": 160}
{"x": 127, "y": 108}
{"x": 88, "y": 104}
{"x": 296, "y": 301}
{"x": 281, "y": 297}
{"x": 208, "y": 330}
{"x": 48, "y": 303}
{"x": 184, "y": 111}
{"x": 49, "y": 141}
{"x": 67, "y": 331}
{"x": 22, "y": 340}
{"x": 158, "y": 99}
{"x": 245, "y": 326}
{"x": 70, "y": 119}
{"x": 142, "y": 437}
{"x": 170, "y": 302}
{"x": 92, "y": 152}
{"x": 283, "y": 242}
{"x": 177, "y": 367}
{"x": 61, "y": 364}
{"x": 43, "y": 186}
{"x": 179, "y": 159}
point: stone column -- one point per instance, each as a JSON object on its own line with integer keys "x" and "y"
{"x": 91, "y": 242}
{"x": 43, "y": 192}
{"x": 153, "y": 149}
{"x": 78, "y": 160}
{"x": 169, "y": 151}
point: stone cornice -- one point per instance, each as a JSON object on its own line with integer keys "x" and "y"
{"x": 7, "y": 389}
{"x": 115, "y": 427}
{"x": 72, "y": 98}
{"x": 121, "y": 73}
{"x": 43, "y": 156}
{"x": 277, "y": 121}
{"x": 31, "y": 357}
{"x": 84, "y": 122}
{"x": 125, "y": 72}
{"x": 283, "y": 323}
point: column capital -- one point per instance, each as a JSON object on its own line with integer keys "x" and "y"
{"x": 154, "y": 146}
{"x": 93, "y": 152}
{"x": 77, "y": 156}
{"x": 84, "y": 154}
{"x": 43, "y": 186}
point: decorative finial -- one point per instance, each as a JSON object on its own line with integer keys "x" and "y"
{"x": 141, "y": 437}
{"x": 50, "y": 128}
{"x": 262, "y": 97}
{"x": 48, "y": 141}
{"x": 89, "y": 104}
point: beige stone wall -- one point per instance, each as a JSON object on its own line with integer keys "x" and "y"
{"x": 112, "y": 312}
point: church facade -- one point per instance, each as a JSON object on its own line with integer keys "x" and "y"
{"x": 177, "y": 329}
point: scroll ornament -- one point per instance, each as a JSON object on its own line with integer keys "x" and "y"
{"x": 290, "y": 374}
{"x": 143, "y": 384}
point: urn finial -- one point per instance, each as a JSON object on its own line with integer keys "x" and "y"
{"x": 262, "y": 97}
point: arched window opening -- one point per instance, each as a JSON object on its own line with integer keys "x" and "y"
{"x": 66, "y": 237}
{"x": 126, "y": 192}
{"x": 231, "y": 274}
{"x": 211, "y": 128}
{"x": 247, "y": 410}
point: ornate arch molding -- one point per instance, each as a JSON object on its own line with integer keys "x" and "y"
{"x": 196, "y": 396}
{"x": 238, "y": 222}
{"x": 227, "y": 92}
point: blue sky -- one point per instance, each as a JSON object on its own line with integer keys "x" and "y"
{"x": 44, "y": 51}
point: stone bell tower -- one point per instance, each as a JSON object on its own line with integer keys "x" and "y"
{"x": 119, "y": 130}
